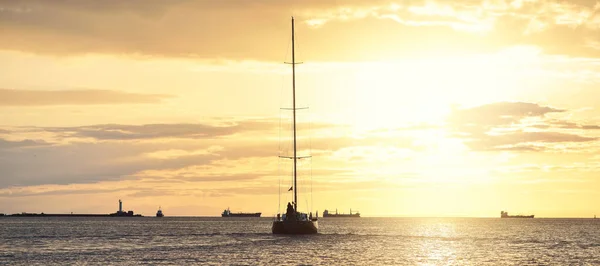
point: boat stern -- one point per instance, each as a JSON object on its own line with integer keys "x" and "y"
{"x": 295, "y": 227}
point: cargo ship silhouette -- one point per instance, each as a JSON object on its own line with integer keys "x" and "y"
{"x": 341, "y": 215}
{"x": 504, "y": 214}
{"x": 228, "y": 213}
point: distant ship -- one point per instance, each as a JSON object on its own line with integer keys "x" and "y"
{"x": 504, "y": 214}
{"x": 228, "y": 213}
{"x": 159, "y": 213}
{"x": 336, "y": 214}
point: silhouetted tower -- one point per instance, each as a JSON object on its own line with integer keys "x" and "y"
{"x": 120, "y": 206}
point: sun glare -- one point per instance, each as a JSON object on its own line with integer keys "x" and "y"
{"x": 390, "y": 94}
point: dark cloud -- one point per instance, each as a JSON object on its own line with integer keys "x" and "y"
{"x": 517, "y": 148}
{"x": 6, "y": 144}
{"x": 548, "y": 137}
{"x": 118, "y": 154}
{"x": 152, "y": 131}
{"x": 186, "y": 130}
{"x": 12, "y": 97}
{"x": 152, "y": 191}
{"x": 589, "y": 126}
{"x": 139, "y": 27}
{"x": 500, "y": 113}
{"x": 571, "y": 125}
{"x": 474, "y": 126}
{"x": 585, "y": 3}
{"x": 61, "y": 192}
{"x": 115, "y": 157}
{"x": 212, "y": 177}
{"x": 161, "y": 7}
{"x": 84, "y": 163}
{"x": 221, "y": 29}
{"x": 476, "y": 121}
{"x": 156, "y": 131}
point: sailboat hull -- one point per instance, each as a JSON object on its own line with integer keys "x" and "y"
{"x": 295, "y": 227}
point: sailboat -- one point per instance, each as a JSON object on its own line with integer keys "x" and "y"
{"x": 294, "y": 222}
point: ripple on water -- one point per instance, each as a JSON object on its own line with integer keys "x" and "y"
{"x": 387, "y": 241}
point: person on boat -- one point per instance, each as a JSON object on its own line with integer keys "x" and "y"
{"x": 290, "y": 213}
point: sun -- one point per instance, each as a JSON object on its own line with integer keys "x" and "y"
{"x": 424, "y": 90}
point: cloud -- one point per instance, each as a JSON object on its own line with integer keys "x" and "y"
{"x": 516, "y": 148}
{"x": 216, "y": 129}
{"x": 188, "y": 187}
{"x": 83, "y": 163}
{"x": 571, "y": 125}
{"x": 213, "y": 177}
{"x": 562, "y": 167}
{"x": 511, "y": 141}
{"x": 25, "y": 192}
{"x": 6, "y": 144}
{"x": 500, "y": 113}
{"x": 136, "y": 27}
{"x": 114, "y": 153}
{"x": 90, "y": 154}
{"x": 331, "y": 30}
{"x": 156, "y": 131}
{"x": 12, "y": 97}
{"x": 219, "y": 151}
{"x": 227, "y": 150}
{"x": 504, "y": 126}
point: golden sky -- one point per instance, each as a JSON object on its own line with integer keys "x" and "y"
{"x": 417, "y": 108}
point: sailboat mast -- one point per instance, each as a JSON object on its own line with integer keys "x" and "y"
{"x": 294, "y": 114}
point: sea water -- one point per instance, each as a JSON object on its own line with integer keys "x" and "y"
{"x": 341, "y": 241}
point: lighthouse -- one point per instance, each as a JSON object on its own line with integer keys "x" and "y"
{"x": 120, "y": 206}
